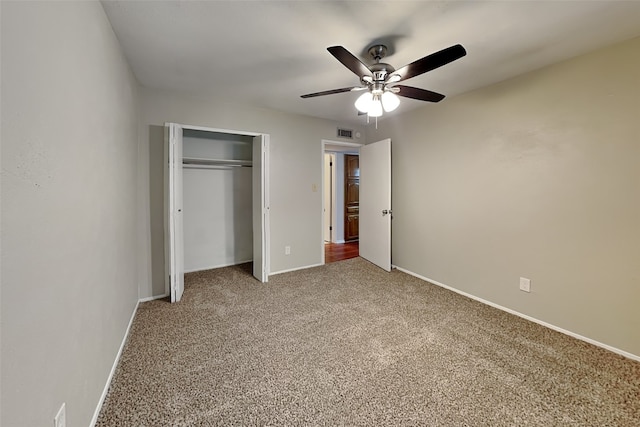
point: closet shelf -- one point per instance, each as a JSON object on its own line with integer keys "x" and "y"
{"x": 215, "y": 162}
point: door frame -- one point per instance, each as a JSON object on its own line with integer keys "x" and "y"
{"x": 327, "y": 221}
{"x": 324, "y": 143}
{"x": 264, "y": 210}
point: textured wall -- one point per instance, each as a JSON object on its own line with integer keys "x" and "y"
{"x": 537, "y": 177}
{"x": 69, "y": 158}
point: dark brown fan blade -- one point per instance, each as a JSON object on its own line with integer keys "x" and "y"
{"x": 419, "y": 94}
{"x": 327, "y": 92}
{"x": 431, "y": 62}
{"x": 350, "y": 61}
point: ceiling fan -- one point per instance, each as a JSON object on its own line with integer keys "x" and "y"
{"x": 379, "y": 80}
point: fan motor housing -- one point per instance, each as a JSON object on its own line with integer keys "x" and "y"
{"x": 381, "y": 71}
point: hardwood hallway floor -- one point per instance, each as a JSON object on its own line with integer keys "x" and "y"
{"x": 340, "y": 251}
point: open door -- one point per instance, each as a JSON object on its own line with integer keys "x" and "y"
{"x": 260, "y": 208}
{"x": 175, "y": 218}
{"x": 375, "y": 203}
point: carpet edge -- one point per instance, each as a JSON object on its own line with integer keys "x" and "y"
{"x": 103, "y": 396}
{"x": 610, "y": 348}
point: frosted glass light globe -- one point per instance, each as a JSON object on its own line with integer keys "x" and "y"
{"x": 363, "y": 103}
{"x": 390, "y": 101}
{"x": 375, "y": 110}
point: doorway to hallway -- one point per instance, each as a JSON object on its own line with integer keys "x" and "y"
{"x": 340, "y": 251}
{"x": 339, "y": 216}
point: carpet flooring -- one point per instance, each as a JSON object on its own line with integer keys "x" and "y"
{"x": 347, "y": 344}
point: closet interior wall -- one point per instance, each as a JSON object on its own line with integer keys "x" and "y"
{"x": 217, "y": 199}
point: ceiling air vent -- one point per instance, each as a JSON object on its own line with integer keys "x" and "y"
{"x": 345, "y": 133}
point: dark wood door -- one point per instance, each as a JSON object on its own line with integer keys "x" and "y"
{"x": 351, "y": 196}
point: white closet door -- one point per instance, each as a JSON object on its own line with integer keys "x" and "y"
{"x": 260, "y": 208}
{"x": 375, "y": 203}
{"x": 176, "y": 230}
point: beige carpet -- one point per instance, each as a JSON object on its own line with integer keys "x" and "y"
{"x": 347, "y": 344}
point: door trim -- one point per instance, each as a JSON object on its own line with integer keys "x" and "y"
{"x": 329, "y": 197}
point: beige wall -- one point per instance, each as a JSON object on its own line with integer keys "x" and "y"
{"x": 69, "y": 158}
{"x": 296, "y": 164}
{"x": 539, "y": 177}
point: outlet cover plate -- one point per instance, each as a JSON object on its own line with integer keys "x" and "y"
{"x": 525, "y": 284}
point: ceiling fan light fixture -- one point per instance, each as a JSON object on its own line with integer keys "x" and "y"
{"x": 378, "y": 79}
{"x": 390, "y": 101}
{"x": 364, "y": 101}
{"x": 375, "y": 108}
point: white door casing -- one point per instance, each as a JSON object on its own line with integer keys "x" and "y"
{"x": 328, "y": 197}
{"x": 375, "y": 203}
{"x": 260, "y": 207}
{"x": 176, "y": 230}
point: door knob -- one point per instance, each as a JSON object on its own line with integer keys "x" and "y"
{"x": 386, "y": 212}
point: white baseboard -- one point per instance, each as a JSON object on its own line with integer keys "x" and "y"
{"x": 524, "y": 316}
{"x": 113, "y": 368}
{"x": 147, "y": 299}
{"x": 294, "y": 269}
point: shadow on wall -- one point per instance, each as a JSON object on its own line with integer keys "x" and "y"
{"x": 156, "y": 207}
{"x": 240, "y": 242}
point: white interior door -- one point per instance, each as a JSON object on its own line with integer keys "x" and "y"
{"x": 176, "y": 230}
{"x": 260, "y": 208}
{"x": 375, "y": 203}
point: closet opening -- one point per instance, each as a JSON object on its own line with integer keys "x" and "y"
{"x": 217, "y": 199}
{"x": 217, "y": 202}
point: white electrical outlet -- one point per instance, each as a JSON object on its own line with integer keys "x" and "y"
{"x": 287, "y": 250}
{"x": 525, "y": 284}
{"x": 61, "y": 417}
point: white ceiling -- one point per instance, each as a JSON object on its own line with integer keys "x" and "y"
{"x": 268, "y": 53}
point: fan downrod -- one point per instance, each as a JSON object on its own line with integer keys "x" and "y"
{"x": 378, "y": 51}
{"x": 380, "y": 70}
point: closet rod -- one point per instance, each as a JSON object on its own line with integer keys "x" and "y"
{"x": 215, "y": 162}
{"x": 196, "y": 166}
